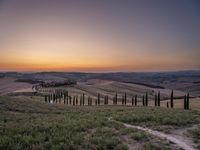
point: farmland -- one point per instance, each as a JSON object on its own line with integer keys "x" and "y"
{"x": 29, "y": 121}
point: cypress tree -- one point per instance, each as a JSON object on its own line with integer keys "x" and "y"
{"x": 80, "y": 100}
{"x": 135, "y": 100}
{"x": 143, "y": 104}
{"x": 125, "y": 98}
{"x": 56, "y": 98}
{"x": 146, "y": 99}
{"x": 107, "y": 100}
{"x": 45, "y": 98}
{"x": 185, "y": 102}
{"x": 132, "y": 100}
{"x": 88, "y": 100}
{"x": 67, "y": 98}
{"x": 116, "y": 98}
{"x": 172, "y": 99}
{"x": 53, "y": 97}
{"x": 98, "y": 99}
{"x": 64, "y": 98}
{"x": 159, "y": 98}
{"x": 59, "y": 98}
{"x": 83, "y": 99}
{"x": 156, "y": 100}
{"x": 70, "y": 100}
{"x": 167, "y": 105}
{"x": 50, "y": 96}
{"x": 76, "y": 100}
{"x": 188, "y": 101}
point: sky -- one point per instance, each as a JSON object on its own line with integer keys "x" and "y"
{"x": 99, "y": 35}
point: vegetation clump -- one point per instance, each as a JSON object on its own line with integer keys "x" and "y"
{"x": 58, "y": 83}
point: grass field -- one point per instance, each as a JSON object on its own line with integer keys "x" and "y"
{"x": 29, "y": 123}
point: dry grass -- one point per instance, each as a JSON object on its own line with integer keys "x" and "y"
{"x": 29, "y": 123}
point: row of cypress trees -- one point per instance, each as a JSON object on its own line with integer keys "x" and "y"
{"x": 57, "y": 96}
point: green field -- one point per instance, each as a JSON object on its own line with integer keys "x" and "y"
{"x": 29, "y": 123}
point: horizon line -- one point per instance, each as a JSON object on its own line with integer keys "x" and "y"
{"x": 53, "y": 71}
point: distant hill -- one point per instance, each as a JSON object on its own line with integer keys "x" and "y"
{"x": 181, "y": 80}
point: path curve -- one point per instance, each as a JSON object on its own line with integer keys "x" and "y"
{"x": 181, "y": 142}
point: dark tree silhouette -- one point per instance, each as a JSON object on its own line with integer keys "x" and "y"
{"x": 172, "y": 99}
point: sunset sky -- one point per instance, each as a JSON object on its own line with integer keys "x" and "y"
{"x": 99, "y": 35}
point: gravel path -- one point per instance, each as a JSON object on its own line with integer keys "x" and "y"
{"x": 179, "y": 141}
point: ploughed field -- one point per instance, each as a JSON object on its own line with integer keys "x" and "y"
{"x": 9, "y": 85}
{"x": 30, "y": 123}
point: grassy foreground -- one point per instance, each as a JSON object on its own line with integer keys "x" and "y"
{"x": 28, "y": 123}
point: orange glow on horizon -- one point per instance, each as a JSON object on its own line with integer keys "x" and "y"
{"x": 91, "y": 67}
{"x": 98, "y": 36}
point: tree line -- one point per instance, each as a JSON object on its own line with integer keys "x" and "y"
{"x": 60, "y": 95}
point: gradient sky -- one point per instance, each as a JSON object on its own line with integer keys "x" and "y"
{"x": 99, "y": 35}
